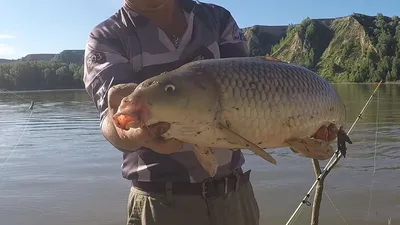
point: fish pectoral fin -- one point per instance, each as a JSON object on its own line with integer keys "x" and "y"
{"x": 293, "y": 150}
{"x": 270, "y": 58}
{"x": 311, "y": 148}
{"x": 207, "y": 159}
{"x": 233, "y": 136}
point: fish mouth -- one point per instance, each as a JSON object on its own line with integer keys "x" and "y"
{"x": 132, "y": 113}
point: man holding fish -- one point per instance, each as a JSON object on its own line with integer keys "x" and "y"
{"x": 169, "y": 185}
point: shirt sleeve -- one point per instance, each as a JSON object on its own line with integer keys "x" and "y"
{"x": 104, "y": 66}
{"x": 233, "y": 43}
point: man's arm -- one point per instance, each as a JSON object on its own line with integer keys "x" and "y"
{"x": 104, "y": 67}
{"x": 233, "y": 43}
{"x": 108, "y": 77}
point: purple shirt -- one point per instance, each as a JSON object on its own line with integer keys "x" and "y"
{"x": 128, "y": 48}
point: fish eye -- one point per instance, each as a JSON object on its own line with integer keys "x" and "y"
{"x": 169, "y": 87}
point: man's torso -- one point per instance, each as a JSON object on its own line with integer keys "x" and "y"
{"x": 151, "y": 52}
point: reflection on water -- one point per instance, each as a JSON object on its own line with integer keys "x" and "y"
{"x": 64, "y": 172}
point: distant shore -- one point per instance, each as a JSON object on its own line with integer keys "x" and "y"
{"x": 5, "y": 91}
{"x": 82, "y": 89}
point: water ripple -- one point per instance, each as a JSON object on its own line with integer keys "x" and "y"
{"x": 64, "y": 158}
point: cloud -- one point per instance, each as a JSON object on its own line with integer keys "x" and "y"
{"x": 6, "y": 36}
{"x": 6, "y": 50}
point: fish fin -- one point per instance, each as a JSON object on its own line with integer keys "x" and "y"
{"x": 293, "y": 150}
{"x": 311, "y": 148}
{"x": 270, "y": 58}
{"x": 207, "y": 159}
{"x": 231, "y": 135}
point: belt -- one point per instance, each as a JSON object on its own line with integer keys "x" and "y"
{"x": 208, "y": 188}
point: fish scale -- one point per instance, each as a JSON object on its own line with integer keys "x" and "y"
{"x": 289, "y": 96}
{"x": 242, "y": 103}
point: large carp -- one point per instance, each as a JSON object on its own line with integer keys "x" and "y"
{"x": 240, "y": 103}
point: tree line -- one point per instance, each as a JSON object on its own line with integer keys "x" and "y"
{"x": 348, "y": 60}
{"x": 40, "y": 75}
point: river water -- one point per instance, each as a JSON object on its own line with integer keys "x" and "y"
{"x": 63, "y": 172}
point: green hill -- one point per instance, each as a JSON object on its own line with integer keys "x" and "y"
{"x": 37, "y": 57}
{"x": 70, "y": 56}
{"x": 355, "y": 48}
{"x": 260, "y": 39}
{"x": 2, "y": 61}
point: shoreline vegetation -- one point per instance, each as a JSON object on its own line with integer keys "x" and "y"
{"x": 354, "y": 49}
{"x": 6, "y": 91}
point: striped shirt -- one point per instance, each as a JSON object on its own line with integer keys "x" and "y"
{"x": 128, "y": 48}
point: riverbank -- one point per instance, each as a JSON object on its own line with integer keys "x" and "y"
{"x": 82, "y": 89}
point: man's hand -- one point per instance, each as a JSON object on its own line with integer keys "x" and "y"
{"x": 149, "y": 137}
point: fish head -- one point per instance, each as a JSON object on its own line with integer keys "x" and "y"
{"x": 179, "y": 96}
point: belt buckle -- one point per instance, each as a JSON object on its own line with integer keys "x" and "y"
{"x": 204, "y": 187}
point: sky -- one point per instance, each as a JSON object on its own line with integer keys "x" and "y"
{"x": 50, "y": 26}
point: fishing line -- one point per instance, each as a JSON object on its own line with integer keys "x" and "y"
{"x": 19, "y": 140}
{"x": 374, "y": 169}
{"x": 10, "y": 92}
{"x": 297, "y": 215}
{"x": 24, "y": 129}
{"x": 334, "y": 206}
{"x": 332, "y": 162}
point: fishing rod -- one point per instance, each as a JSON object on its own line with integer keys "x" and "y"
{"x": 335, "y": 158}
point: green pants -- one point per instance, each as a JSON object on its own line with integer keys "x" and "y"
{"x": 235, "y": 208}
